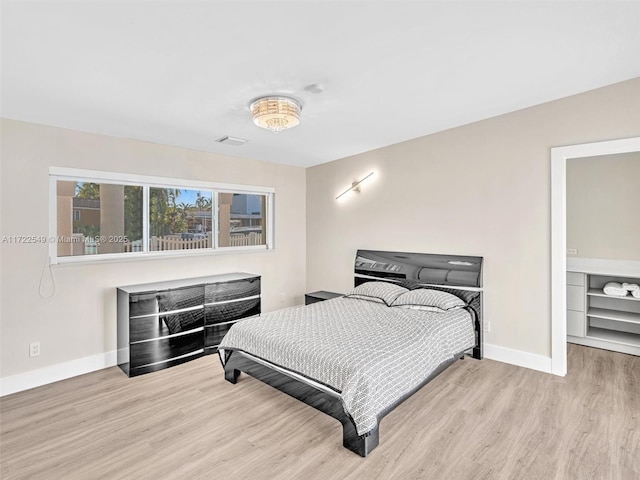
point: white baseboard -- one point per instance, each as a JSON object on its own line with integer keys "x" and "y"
{"x": 518, "y": 357}
{"x": 55, "y": 373}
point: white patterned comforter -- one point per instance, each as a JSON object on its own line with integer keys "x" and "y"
{"x": 369, "y": 353}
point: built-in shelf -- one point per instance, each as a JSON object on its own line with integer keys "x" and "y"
{"x": 630, "y": 317}
{"x": 597, "y": 292}
{"x": 614, "y": 336}
{"x": 598, "y": 320}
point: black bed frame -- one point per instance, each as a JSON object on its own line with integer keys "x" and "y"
{"x": 450, "y": 272}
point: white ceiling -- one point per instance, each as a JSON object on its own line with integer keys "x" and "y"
{"x": 182, "y": 73}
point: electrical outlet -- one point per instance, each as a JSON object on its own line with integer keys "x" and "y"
{"x": 34, "y": 349}
{"x": 486, "y": 326}
{"x": 572, "y": 251}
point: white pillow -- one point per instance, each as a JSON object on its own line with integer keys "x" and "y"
{"x": 423, "y": 297}
{"x": 378, "y": 292}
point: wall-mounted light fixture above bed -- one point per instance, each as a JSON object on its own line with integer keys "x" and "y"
{"x": 355, "y": 186}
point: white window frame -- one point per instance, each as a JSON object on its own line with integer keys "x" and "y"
{"x": 147, "y": 182}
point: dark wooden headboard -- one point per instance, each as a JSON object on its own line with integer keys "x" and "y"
{"x": 427, "y": 268}
{"x": 457, "y": 274}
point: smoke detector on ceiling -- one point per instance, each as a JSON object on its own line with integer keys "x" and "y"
{"x": 229, "y": 140}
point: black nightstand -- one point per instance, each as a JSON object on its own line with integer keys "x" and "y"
{"x": 320, "y": 296}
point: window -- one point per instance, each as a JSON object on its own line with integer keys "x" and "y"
{"x": 107, "y": 218}
{"x": 180, "y": 219}
{"x": 241, "y": 219}
{"x": 122, "y": 216}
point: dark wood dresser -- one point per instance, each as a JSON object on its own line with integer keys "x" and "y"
{"x": 163, "y": 324}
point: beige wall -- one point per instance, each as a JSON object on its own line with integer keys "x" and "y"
{"x": 481, "y": 189}
{"x": 80, "y": 320}
{"x": 603, "y": 206}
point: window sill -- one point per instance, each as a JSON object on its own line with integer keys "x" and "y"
{"x": 127, "y": 257}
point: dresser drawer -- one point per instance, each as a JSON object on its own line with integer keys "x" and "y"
{"x": 144, "y": 353}
{"x": 146, "y": 328}
{"x": 575, "y": 323}
{"x": 143, "y": 304}
{"x": 185, "y": 320}
{"x": 227, "y": 312}
{"x": 220, "y": 292}
{"x": 150, "y": 303}
{"x": 180, "y": 298}
{"x": 149, "y": 327}
{"x": 575, "y": 298}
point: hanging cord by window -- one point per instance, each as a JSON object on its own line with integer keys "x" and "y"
{"x": 46, "y": 268}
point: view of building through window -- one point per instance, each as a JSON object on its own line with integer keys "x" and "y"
{"x": 241, "y": 219}
{"x": 98, "y": 218}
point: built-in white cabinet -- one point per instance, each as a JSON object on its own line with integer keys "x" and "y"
{"x": 576, "y": 300}
{"x": 598, "y": 320}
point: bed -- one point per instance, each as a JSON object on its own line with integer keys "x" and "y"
{"x": 357, "y": 357}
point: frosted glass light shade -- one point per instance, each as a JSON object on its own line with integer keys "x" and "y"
{"x": 276, "y": 113}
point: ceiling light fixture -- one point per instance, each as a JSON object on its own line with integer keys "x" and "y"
{"x": 275, "y": 113}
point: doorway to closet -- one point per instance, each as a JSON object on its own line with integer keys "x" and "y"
{"x": 559, "y": 158}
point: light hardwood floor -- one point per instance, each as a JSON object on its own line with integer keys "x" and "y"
{"x": 478, "y": 420}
